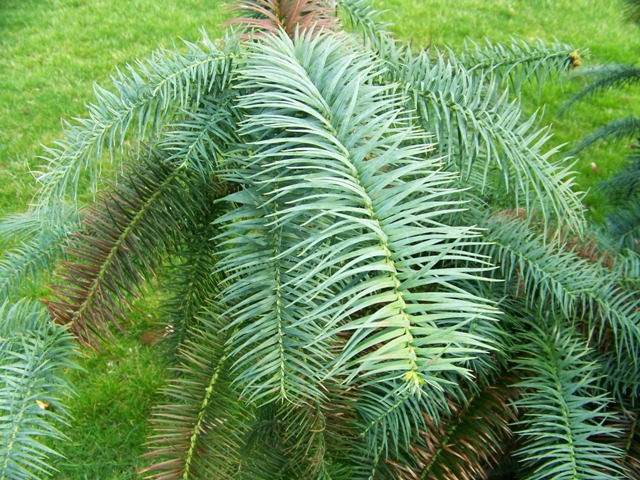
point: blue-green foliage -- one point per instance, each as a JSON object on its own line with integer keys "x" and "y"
{"x": 35, "y": 357}
{"x": 360, "y": 246}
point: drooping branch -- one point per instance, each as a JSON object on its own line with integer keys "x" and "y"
{"x": 199, "y": 426}
{"x": 564, "y": 415}
{"x": 146, "y": 97}
{"x": 34, "y": 359}
{"x": 465, "y": 444}
{"x": 122, "y": 241}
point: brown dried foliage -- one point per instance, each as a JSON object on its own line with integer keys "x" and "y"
{"x": 268, "y": 16}
{"x": 628, "y": 440}
{"x": 473, "y": 439}
{"x": 115, "y": 252}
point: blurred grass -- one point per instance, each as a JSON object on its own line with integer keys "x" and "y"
{"x": 51, "y": 52}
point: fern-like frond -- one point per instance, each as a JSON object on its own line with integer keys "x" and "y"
{"x": 389, "y": 418}
{"x": 275, "y": 355}
{"x": 542, "y": 273}
{"x": 206, "y": 430}
{"x": 200, "y": 140}
{"x": 479, "y": 128}
{"x": 318, "y": 439}
{"x": 122, "y": 241}
{"x": 198, "y": 430}
{"x": 35, "y": 357}
{"x": 623, "y": 196}
{"x": 145, "y": 98}
{"x": 563, "y": 411}
{"x": 625, "y": 185}
{"x": 488, "y": 367}
{"x": 190, "y": 279}
{"x": 548, "y": 277}
{"x": 37, "y": 238}
{"x": 361, "y": 17}
{"x": 288, "y": 442}
{"x": 28, "y": 264}
{"x": 465, "y": 444}
{"x": 623, "y": 224}
{"x": 342, "y": 231}
{"x": 627, "y": 267}
{"x": 620, "y": 377}
{"x": 27, "y": 225}
{"x": 462, "y": 101}
{"x": 518, "y": 62}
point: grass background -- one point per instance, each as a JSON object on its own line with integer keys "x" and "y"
{"x": 51, "y": 52}
{"x": 601, "y": 26}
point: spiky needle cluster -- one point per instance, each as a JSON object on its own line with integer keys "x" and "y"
{"x": 369, "y": 255}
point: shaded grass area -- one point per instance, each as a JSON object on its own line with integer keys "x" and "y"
{"x": 116, "y": 392}
{"x": 51, "y": 52}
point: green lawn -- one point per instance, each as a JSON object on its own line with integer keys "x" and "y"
{"x": 51, "y": 52}
{"x": 600, "y": 27}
